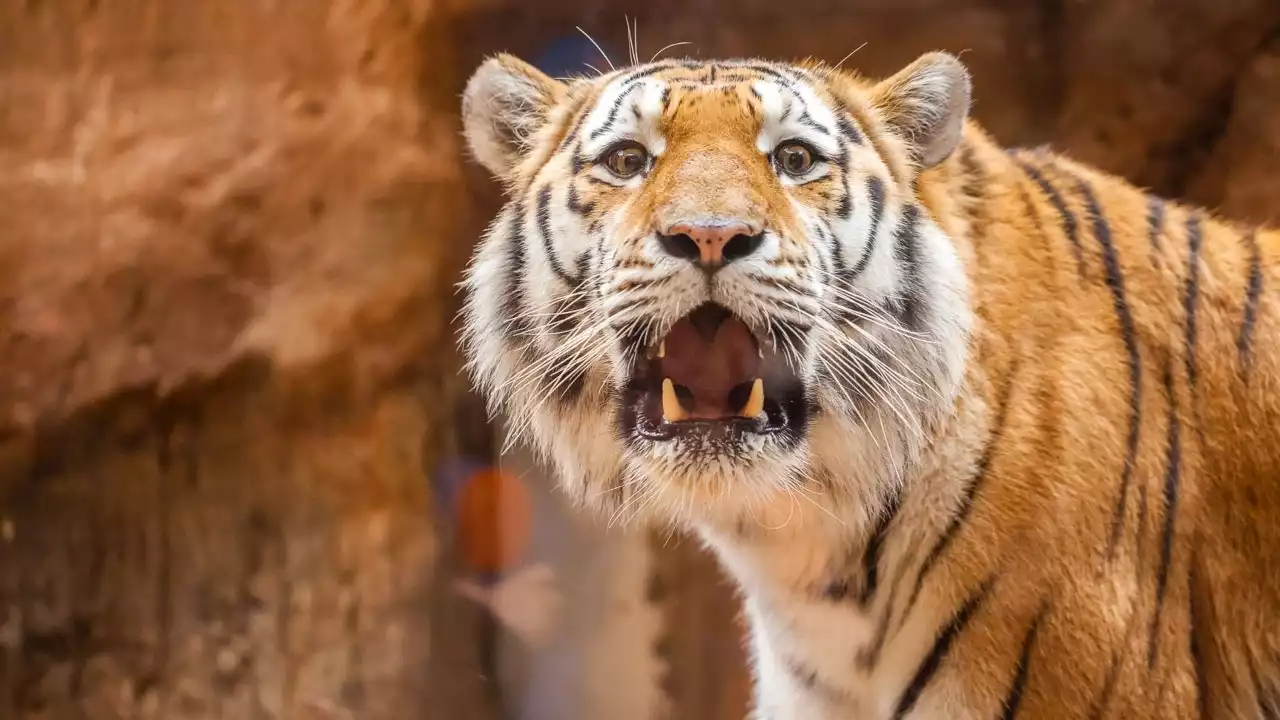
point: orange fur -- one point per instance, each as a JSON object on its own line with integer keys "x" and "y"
{"x": 1076, "y": 588}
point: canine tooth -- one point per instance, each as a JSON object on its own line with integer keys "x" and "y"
{"x": 662, "y": 348}
{"x": 755, "y": 401}
{"x": 671, "y": 410}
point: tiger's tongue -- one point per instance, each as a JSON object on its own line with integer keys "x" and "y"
{"x": 712, "y": 359}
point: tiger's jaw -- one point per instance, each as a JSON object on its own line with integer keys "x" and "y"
{"x": 712, "y": 388}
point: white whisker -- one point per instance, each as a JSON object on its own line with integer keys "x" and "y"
{"x": 602, "y": 52}
{"x": 668, "y": 47}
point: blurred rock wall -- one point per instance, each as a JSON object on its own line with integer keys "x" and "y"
{"x": 230, "y": 232}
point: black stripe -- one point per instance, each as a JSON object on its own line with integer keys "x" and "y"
{"x": 929, "y": 666}
{"x": 1140, "y": 565}
{"x": 1155, "y": 225}
{"x": 1172, "y": 477}
{"x": 1194, "y": 628}
{"x": 845, "y": 208}
{"x": 875, "y": 194}
{"x": 1195, "y": 236}
{"x": 666, "y": 98}
{"x": 650, "y": 70}
{"x": 613, "y": 112}
{"x": 1115, "y": 283}
{"x": 1108, "y": 687}
{"x": 826, "y": 242}
{"x": 975, "y": 189}
{"x": 1268, "y": 703}
{"x": 1014, "y": 698}
{"x": 770, "y": 72}
{"x": 807, "y": 120}
{"x": 1254, "y": 291}
{"x": 870, "y": 655}
{"x": 970, "y": 493}
{"x": 848, "y": 129}
{"x": 566, "y": 382}
{"x": 517, "y": 323}
{"x": 572, "y": 136}
{"x": 1069, "y": 226}
{"x": 871, "y": 555}
{"x": 575, "y": 204}
{"x": 808, "y": 677}
{"x": 906, "y": 250}
{"x": 544, "y": 228}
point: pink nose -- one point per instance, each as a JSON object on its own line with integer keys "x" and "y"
{"x": 711, "y": 245}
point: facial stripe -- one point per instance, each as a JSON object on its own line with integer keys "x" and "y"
{"x": 544, "y": 229}
{"x": 941, "y": 647}
{"x": 794, "y": 111}
{"x": 875, "y": 196}
{"x": 517, "y": 323}
{"x": 612, "y": 116}
{"x": 848, "y": 127}
{"x": 906, "y": 252}
{"x": 575, "y": 204}
{"x": 844, "y": 206}
{"x": 1172, "y": 477}
{"x": 1253, "y": 290}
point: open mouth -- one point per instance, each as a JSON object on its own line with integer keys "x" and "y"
{"x": 712, "y": 375}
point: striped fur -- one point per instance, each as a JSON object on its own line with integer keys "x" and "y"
{"x": 1038, "y": 473}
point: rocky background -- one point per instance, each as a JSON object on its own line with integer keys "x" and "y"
{"x": 229, "y": 233}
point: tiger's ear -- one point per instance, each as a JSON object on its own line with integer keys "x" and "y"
{"x": 506, "y": 101}
{"x": 926, "y": 104}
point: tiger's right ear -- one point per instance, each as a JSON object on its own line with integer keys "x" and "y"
{"x": 506, "y": 101}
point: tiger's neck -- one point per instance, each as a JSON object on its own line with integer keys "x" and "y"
{"x": 836, "y": 562}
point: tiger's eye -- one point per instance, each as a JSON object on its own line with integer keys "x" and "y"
{"x": 794, "y": 159}
{"x": 627, "y": 161}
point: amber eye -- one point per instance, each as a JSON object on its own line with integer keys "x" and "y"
{"x": 626, "y": 160}
{"x": 794, "y": 158}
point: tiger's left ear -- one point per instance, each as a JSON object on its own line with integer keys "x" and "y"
{"x": 506, "y": 101}
{"x": 926, "y": 104}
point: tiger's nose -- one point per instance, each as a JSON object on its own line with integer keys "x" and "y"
{"x": 711, "y": 245}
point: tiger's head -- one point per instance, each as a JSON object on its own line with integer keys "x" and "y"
{"x": 715, "y": 283}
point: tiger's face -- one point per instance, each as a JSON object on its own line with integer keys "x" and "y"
{"x": 712, "y": 282}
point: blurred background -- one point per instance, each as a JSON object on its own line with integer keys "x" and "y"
{"x": 239, "y": 475}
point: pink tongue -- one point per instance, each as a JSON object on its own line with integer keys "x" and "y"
{"x": 709, "y": 353}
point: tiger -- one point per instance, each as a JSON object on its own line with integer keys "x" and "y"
{"x": 977, "y": 432}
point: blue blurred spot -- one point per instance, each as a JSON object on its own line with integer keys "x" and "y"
{"x": 450, "y": 475}
{"x": 569, "y": 56}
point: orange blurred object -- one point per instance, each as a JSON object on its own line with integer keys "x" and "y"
{"x": 494, "y": 521}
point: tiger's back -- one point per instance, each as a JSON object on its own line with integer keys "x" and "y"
{"x": 1132, "y": 482}
{"x": 1010, "y": 444}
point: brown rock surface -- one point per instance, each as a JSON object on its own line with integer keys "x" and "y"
{"x": 225, "y": 362}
